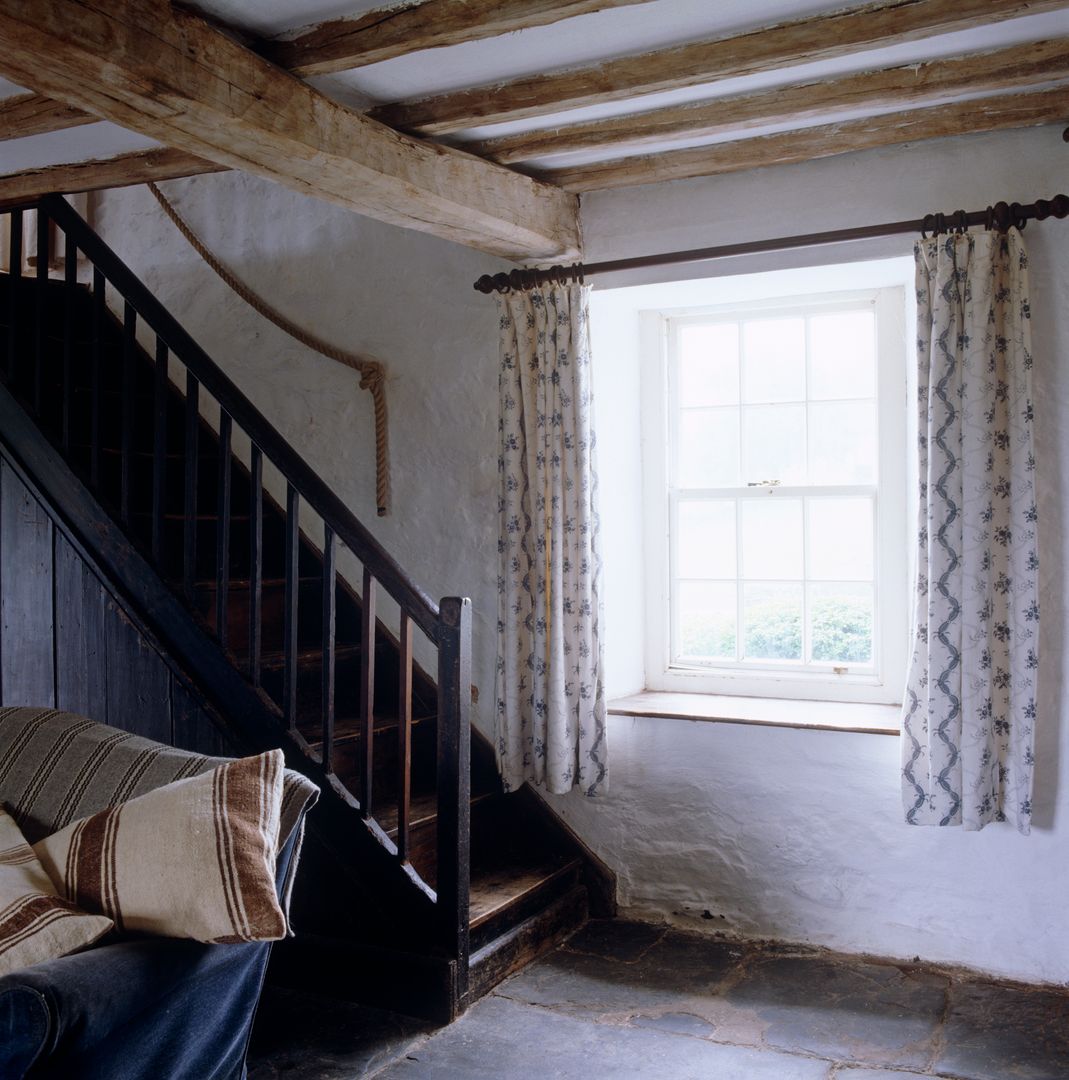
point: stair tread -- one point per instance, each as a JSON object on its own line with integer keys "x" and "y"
{"x": 496, "y": 888}
{"x": 351, "y": 728}
{"x": 276, "y": 658}
{"x": 240, "y": 583}
{"x": 423, "y": 809}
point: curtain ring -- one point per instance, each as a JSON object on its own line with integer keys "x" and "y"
{"x": 989, "y": 220}
{"x": 927, "y": 223}
{"x": 940, "y": 224}
{"x": 1017, "y": 213}
{"x": 962, "y": 224}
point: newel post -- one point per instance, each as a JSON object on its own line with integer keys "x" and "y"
{"x": 454, "y": 781}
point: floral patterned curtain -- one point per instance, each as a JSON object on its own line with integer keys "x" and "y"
{"x": 970, "y": 705}
{"x": 550, "y": 712}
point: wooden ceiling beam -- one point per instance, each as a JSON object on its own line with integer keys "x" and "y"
{"x": 826, "y": 140}
{"x": 913, "y": 84}
{"x": 166, "y": 73}
{"x": 31, "y": 114}
{"x": 385, "y": 33}
{"x": 119, "y": 171}
{"x": 344, "y": 44}
{"x": 802, "y": 41}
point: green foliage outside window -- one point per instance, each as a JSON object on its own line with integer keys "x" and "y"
{"x": 841, "y": 632}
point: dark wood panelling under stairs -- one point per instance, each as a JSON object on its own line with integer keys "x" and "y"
{"x": 531, "y": 880}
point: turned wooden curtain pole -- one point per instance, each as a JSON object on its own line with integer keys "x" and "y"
{"x": 1001, "y": 216}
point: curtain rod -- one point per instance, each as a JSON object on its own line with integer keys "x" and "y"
{"x": 1001, "y": 216}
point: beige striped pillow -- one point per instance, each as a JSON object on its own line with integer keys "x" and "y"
{"x": 35, "y": 923}
{"x": 193, "y": 859}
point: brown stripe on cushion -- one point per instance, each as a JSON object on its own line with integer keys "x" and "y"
{"x": 96, "y": 842}
{"x": 70, "y": 870}
{"x": 15, "y": 856}
{"x": 84, "y": 778}
{"x": 51, "y": 760}
{"x": 22, "y": 738}
{"x": 111, "y": 892}
{"x": 137, "y": 769}
{"x": 249, "y": 785}
{"x": 28, "y": 915}
{"x": 222, "y": 848}
{"x": 193, "y": 766}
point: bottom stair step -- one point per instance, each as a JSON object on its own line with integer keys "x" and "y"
{"x": 537, "y": 934}
{"x": 495, "y": 890}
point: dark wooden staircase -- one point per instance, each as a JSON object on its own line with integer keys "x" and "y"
{"x": 423, "y": 883}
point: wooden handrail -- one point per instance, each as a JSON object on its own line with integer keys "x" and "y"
{"x": 420, "y": 607}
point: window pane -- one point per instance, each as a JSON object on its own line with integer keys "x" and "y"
{"x": 840, "y": 623}
{"x": 842, "y": 355}
{"x": 773, "y": 365}
{"x": 842, "y": 443}
{"x": 706, "y": 540}
{"x": 840, "y": 539}
{"x": 772, "y": 538}
{"x": 707, "y": 620}
{"x": 709, "y": 364}
{"x": 774, "y": 443}
{"x": 708, "y": 448}
{"x": 772, "y": 622}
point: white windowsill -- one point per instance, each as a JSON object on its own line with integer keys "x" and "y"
{"x": 766, "y": 712}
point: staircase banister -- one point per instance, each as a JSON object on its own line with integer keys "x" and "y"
{"x": 313, "y": 490}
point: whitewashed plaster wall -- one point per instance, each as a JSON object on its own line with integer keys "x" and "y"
{"x": 798, "y": 834}
{"x": 398, "y": 295}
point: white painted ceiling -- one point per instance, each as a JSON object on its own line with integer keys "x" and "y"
{"x": 577, "y": 41}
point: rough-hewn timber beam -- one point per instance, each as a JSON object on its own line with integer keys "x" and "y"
{"x": 983, "y": 73}
{"x": 342, "y": 44}
{"x": 168, "y": 74}
{"x": 704, "y": 62}
{"x": 32, "y": 114}
{"x": 804, "y": 144}
{"x": 120, "y": 171}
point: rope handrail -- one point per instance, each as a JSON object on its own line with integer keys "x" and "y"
{"x": 372, "y": 374}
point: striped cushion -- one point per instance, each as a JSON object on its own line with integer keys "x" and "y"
{"x": 194, "y": 859}
{"x": 57, "y": 767}
{"x": 35, "y": 923}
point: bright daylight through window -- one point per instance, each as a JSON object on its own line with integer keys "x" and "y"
{"x": 782, "y": 485}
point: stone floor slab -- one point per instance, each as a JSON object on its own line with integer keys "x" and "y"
{"x": 616, "y": 939}
{"x": 996, "y": 1032}
{"x": 849, "y": 1010}
{"x": 301, "y": 1036}
{"x": 499, "y": 1039}
{"x": 677, "y": 968}
{"x": 677, "y": 1023}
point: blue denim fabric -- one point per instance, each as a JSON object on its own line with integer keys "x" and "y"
{"x": 144, "y": 1009}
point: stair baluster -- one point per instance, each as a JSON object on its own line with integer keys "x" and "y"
{"x": 404, "y": 737}
{"x": 329, "y": 628}
{"x": 14, "y": 310}
{"x": 289, "y": 708}
{"x": 42, "y": 257}
{"x": 70, "y": 281}
{"x": 189, "y": 538}
{"x": 222, "y": 532}
{"x": 367, "y": 693}
{"x": 256, "y": 559}
{"x": 159, "y": 449}
{"x": 129, "y": 344}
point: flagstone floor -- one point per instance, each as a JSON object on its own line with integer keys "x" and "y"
{"x": 630, "y": 1001}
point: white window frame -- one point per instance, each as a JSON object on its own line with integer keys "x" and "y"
{"x": 883, "y": 682}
